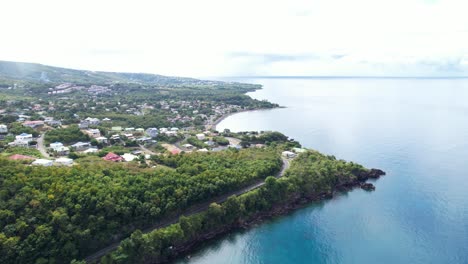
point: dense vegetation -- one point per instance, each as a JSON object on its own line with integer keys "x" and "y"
{"x": 71, "y": 134}
{"x": 310, "y": 174}
{"x": 55, "y": 214}
{"x": 22, "y": 151}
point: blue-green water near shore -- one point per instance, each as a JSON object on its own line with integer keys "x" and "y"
{"x": 414, "y": 129}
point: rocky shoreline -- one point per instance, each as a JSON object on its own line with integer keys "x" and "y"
{"x": 292, "y": 204}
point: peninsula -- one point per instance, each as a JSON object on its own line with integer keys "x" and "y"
{"x": 88, "y": 159}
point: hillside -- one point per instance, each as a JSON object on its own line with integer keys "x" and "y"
{"x": 34, "y": 72}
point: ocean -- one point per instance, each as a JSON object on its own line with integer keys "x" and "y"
{"x": 415, "y": 129}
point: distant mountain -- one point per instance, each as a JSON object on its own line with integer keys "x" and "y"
{"x": 35, "y": 72}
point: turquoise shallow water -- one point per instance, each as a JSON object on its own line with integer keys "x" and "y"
{"x": 414, "y": 129}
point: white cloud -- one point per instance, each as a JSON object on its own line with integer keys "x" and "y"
{"x": 208, "y": 37}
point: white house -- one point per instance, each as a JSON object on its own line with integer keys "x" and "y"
{"x": 19, "y": 143}
{"x": 43, "y": 162}
{"x": 143, "y": 139}
{"x": 81, "y": 145}
{"x": 200, "y": 136}
{"x": 56, "y": 145}
{"x": 288, "y": 154}
{"x": 83, "y": 124}
{"x": 91, "y": 150}
{"x": 101, "y": 140}
{"x": 93, "y": 121}
{"x": 202, "y": 150}
{"x": 60, "y": 148}
{"x": 3, "y": 129}
{"x": 129, "y": 157}
{"x": 163, "y": 130}
{"x": 24, "y": 137}
{"x": 139, "y": 130}
{"x": 171, "y": 133}
{"x": 175, "y": 129}
{"x": 64, "y": 161}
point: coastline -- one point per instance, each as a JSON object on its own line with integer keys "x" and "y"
{"x": 183, "y": 251}
{"x": 220, "y": 119}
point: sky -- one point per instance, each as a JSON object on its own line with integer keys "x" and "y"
{"x": 241, "y": 37}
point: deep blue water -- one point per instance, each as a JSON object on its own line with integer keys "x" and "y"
{"x": 414, "y": 129}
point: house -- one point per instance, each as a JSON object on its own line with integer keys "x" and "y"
{"x": 113, "y": 157}
{"x": 175, "y": 129}
{"x": 200, "y": 136}
{"x": 95, "y": 133}
{"x": 19, "y": 143}
{"x": 115, "y": 137}
{"x": 24, "y": 137}
{"x": 288, "y": 154}
{"x": 117, "y": 129}
{"x": 140, "y": 130}
{"x": 56, "y": 145}
{"x": 64, "y": 162}
{"x": 102, "y": 140}
{"x": 34, "y": 124}
{"x": 170, "y": 133}
{"x": 129, "y": 157}
{"x": 202, "y": 150}
{"x": 106, "y": 119}
{"x": 55, "y": 123}
{"x": 93, "y": 121}
{"x": 51, "y": 122}
{"x": 3, "y": 129}
{"x": 43, "y": 162}
{"x": 152, "y": 132}
{"x": 83, "y": 125}
{"x": 21, "y": 157}
{"x": 163, "y": 130}
{"x": 79, "y": 146}
{"x": 129, "y": 129}
{"x": 143, "y": 139}
{"x": 60, "y": 149}
{"x": 129, "y": 136}
{"x": 91, "y": 150}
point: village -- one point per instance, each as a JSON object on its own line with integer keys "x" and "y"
{"x": 60, "y": 142}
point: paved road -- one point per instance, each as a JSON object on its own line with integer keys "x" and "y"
{"x": 41, "y": 147}
{"x": 190, "y": 211}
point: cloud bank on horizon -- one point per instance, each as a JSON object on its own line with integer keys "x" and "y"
{"x": 226, "y": 38}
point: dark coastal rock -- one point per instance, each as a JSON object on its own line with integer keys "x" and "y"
{"x": 375, "y": 173}
{"x": 368, "y": 186}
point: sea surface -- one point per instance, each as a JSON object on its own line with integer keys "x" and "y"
{"x": 414, "y": 129}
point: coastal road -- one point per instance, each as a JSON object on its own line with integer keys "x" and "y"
{"x": 190, "y": 211}
{"x": 41, "y": 147}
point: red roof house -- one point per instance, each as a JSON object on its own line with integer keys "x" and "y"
{"x": 113, "y": 157}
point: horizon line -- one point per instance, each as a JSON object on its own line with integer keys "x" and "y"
{"x": 339, "y": 77}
